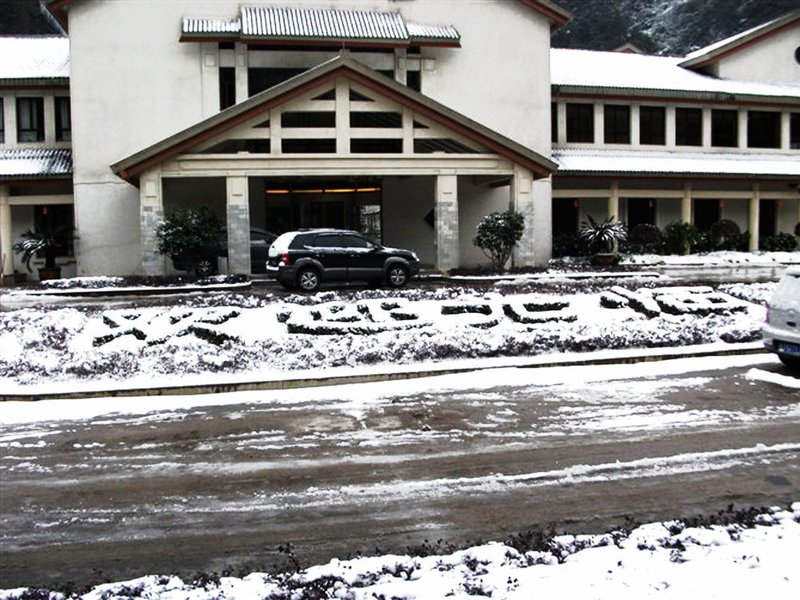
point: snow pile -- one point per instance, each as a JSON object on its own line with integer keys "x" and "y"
{"x": 731, "y": 555}
{"x": 242, "y": 334}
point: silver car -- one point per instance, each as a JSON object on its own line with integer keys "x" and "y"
{"x": 782, "y": 330}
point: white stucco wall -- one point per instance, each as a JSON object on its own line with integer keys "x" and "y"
{"x": 475, "y": 202}
{"x": 770, "y": 59}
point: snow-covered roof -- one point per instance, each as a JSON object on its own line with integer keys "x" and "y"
{"x": 638, "y": 74}
{"x": 314, "y": 25}
{"x": 581, "y": 161}
{"x": 37, "y": 57}
{"x": 35, "y": 163}
{"x": 713, "y": 51}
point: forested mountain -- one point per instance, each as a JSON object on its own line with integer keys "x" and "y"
{"x": 667, "y": 27}
{"x": 25, "y": 17}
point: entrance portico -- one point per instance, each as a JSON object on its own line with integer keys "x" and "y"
{"x": 343, "y": 122}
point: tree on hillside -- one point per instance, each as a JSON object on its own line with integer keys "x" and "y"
{"x": 24, "y": 17}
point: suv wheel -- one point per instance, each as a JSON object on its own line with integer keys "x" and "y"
{"x": 205, "y": 267}
{"x": 308, "y": 280}
{"x": 397, "y": 276}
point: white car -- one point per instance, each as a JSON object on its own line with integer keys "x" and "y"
{"x": 781, "y": 332}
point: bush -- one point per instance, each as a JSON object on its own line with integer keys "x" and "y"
{"x": 645, "y": 238}
{"x": 783, "y": 242}
{"x": 189, "y": 233}
{"x": 497, "y": 234}
{"x": 681, "y": 237}
{"x": 602, "y": 237}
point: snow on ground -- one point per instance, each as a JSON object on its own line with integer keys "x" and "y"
{"x": 751, "y": 555}
{"x": 231, "y": 334}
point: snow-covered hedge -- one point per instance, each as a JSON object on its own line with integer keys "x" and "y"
{"x": 237, "y": 333}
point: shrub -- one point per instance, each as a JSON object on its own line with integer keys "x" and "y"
{"x": 645, "y": 238}
{"x": 783, "y": 242}
{"x": 568, "y": 244}
{"x": 189, "y": 233}
{"x": 498, "y": 234}
{"x": 681, "y": 237}
{"x": 602, "y": 237}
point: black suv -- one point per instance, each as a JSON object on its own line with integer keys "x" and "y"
{"x": 304, "y": 259}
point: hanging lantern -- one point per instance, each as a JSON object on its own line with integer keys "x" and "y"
{"x": 722, "y": 204}
{"x": 576, "y": 203}
{"x": 44, "y": 211}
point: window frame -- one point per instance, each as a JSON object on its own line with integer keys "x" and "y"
{"x": 651, "y": 132}
{"x": 616, "y": 124}
{"x": 688, "y": 126}
{"x": 30, "y": 108}
{"x": 757, "y": 141}
{"x": 724, "y": 139}
{"x": 63, "y": 112}
{"x": 580, "y": 123}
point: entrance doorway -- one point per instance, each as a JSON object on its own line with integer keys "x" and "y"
{"x": 281, "y": 205}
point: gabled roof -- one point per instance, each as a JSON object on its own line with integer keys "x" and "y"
{"x": 35, "y": 163}
{"x": 34, "y": 61}
{"x": 713, "y": 53}
{"x": 625, "y": 74}
{"x": 267, "y": 24}
{"x": 342, "y": 66}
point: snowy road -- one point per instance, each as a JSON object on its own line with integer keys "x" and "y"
{"x": 119, "y": 488}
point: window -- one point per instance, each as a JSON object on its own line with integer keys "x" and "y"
{"x": 724, "y": 128}
{"x": 414, "y": 80}
{"x": 2, "y": 124}
{"x": 794, "y": 130}
{"x": 763, "y": 129}
{"x": 63, "y": 120}
{"x": 227, "y": 87}
{"x": 688, "y": 127}
{"x": 553, "y": 122}
{"x": 616, "y": 124}
{"x": 580, "y": 123}
{"x": 260, "y": 79}
{"x": 30, "y": 120}
{"x": 308, "y": 119}
{"x": 652, "y": 125}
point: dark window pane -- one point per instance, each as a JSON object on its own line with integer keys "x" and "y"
{"x": 376, "y": 146}
{"x": 414, "y": 80}
{"x": 763, "y": 129}
{"x": 724, "y": 128}
{"x": 30, "y": 119}
{"x": 308, "y": 146}
{"x": 689, "y": 127}
{"x": 227, "y": 87}
{"x": 259, "y": 79}
{"x": 553, "y": 122}
{"x": 580, "y": 123}
{"x": 652, "y": 125}
{"x": 378, "y": 120}
{"x": 794, "y": 131}
{"x": 616, "y": 124}
{"x": 2, "y": 123}
{"x": 304, "y": 119}
{"x": 63, "y": 120}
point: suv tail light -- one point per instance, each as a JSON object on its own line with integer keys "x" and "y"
{"x": 285, "y": 259}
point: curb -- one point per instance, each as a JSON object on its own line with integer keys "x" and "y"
{"x": 624, "y": 357}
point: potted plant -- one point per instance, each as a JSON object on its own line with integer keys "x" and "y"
{"x": 47, "y": 241}
{"x": 603, "y": 239}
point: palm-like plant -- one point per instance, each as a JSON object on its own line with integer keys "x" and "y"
{"x": 602, "y": 237}
{"x": 47, "y": 240}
